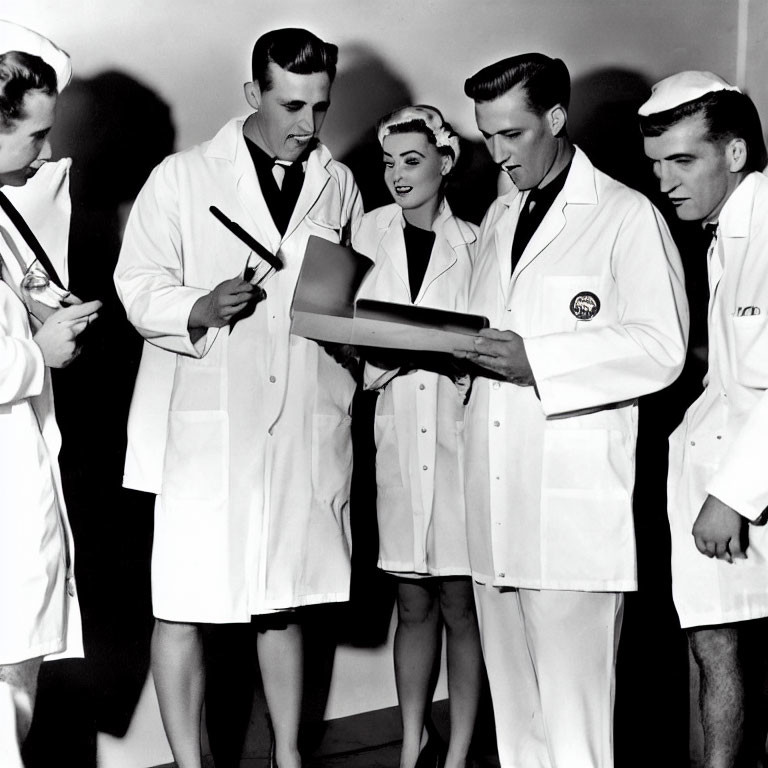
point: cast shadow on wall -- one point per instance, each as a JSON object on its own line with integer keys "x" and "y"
{"x": 116, "y": 130}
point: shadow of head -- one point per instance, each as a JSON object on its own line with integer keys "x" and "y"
{"x": 602, "y": 120}
{"x": 116, "y": 130}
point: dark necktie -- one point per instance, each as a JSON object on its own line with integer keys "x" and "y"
{"x": 524, "y": 230}
{"x": 710, "y": 231}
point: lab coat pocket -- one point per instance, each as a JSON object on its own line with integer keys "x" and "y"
{"x": 586, "y": 504}
{"x": 570, "y": 302}
{"x": 389, "y": 472}
{"x": 197, "y": 456}
{"x": 750, "y": 335}
{"x": 331, "y": 460}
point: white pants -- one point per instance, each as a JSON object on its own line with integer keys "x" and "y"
{"x": 9, "y": 743}
{"x": 551, "y": 659}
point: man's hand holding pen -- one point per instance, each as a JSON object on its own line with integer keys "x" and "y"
{"x": 229, "y": 301}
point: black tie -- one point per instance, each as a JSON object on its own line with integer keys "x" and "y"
{"x": 524, "y": 230}
{"x": 710, "y": 234}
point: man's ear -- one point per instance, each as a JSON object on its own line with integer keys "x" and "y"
{"x": 252, "y": 95}
{"x": 736, "y": 155}
{"x": 557, "y": 119}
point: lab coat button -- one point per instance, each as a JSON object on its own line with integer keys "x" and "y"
{"x": 424, "y": 467}
{"x": 693, "y": 442}
{"x": 272, "y": 379}
{"x": 495, "y": 385}
{"x": 502, "y": 575}
{"x": 423, "y": 430}
{"x": 496, "y": 423}
{"x": 719, "y": 437}
{"x": 421, "y": 386}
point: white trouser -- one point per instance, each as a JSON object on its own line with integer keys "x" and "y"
{"x": 9, "y": 744}
{"x": 551, "y": 658}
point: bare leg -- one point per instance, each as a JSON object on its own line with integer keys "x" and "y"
{"x": 22, "y": 679}
{"x": 179, "y": 674}
{"x": 721, "y": 693}
{"x": 457, "y": 605}
{"x": 416, "y": 645}
{"x": 281, "y": 658}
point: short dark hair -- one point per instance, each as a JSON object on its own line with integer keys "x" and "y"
{"x": 727, "y": 115}
{"x": 546, "y": 81}
{"x": 295, "y": 50}
{"x": 21, "y": 73}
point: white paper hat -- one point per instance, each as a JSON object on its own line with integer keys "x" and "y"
{"x": 14, "y": 37}
{"x": 681, "y": 88}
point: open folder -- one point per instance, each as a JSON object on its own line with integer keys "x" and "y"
{"x": 324, "y": 308}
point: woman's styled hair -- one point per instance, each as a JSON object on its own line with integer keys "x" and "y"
{"x": 424, "y": 119}
{"x": 546, "y": 81}
{"x": 727, "y": 115}
{"x": 21, "y": 73}
{"x": 295, "y": 50}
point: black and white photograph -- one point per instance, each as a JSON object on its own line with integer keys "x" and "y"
{"x": 384, "y": 384}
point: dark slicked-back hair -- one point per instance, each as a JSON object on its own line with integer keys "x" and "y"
{"x": 727, "y": 115}
{"x": 292, "y": 49}
{"x": 19, "y": 74}
{"x": 546, "y": 81}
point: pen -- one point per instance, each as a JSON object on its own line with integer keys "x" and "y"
{"x": 247, "y": 238}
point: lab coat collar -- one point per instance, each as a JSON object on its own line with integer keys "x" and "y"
{"x": 448, "y": 229}
{"x": 228, "y": 144}
{"x": 455, "y": 231}
{"x": 580, "y": 188}
{"x": 736, "y": 216}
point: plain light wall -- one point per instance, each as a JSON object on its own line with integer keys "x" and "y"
{"x": 196, "y": 54}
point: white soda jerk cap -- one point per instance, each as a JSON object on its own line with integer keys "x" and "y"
{"x": 681, "y": 88}
{"x": 14, "y": 37}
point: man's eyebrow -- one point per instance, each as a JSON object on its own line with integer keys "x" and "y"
{"x": 509, "y": 129}
{"x": 680, "y": 155}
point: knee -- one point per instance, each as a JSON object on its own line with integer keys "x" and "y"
{"x": 414, "y": 613}
{"x": 176, "y": 634}
{"x": 458, "y": 611}
{"x": 714, "y": 647}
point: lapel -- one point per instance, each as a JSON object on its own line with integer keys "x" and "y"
{"x": 449, "y": 236}
{"x": 390, "y": 223}
{"x": 579, "y": 189}
{"x": 316, "y": 177}
{"x": 733, "y": 238}
{"x": 229, "y": 144}
{"x": 504, "y": 233}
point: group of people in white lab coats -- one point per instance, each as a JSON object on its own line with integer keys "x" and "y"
{"x": 504, "y": 474}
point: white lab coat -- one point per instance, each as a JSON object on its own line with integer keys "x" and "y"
{"x": 550, "y": 475}
{"x": 39, "y": 613}
{"x": 720, "y": 448}
{"x": 419, "y": 416}
{"x": 245, "y": 436}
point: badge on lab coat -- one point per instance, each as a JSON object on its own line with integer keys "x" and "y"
{"x": 585, "y": 305}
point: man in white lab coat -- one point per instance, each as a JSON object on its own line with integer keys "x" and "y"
{"x": 705, "y": 140}
{"x": 584, "y": 291}
{"x": 241, "y": 429}
{"x": 39, "y": 614}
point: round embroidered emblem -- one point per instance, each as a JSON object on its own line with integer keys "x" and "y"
{"x": 585, "y": 305}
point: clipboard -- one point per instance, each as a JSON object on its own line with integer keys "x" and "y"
{"x": 325, "y": 308}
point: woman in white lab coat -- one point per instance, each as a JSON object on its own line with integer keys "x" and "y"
{"x": 38, "y": 604}
{"x": 423, "y": 255}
